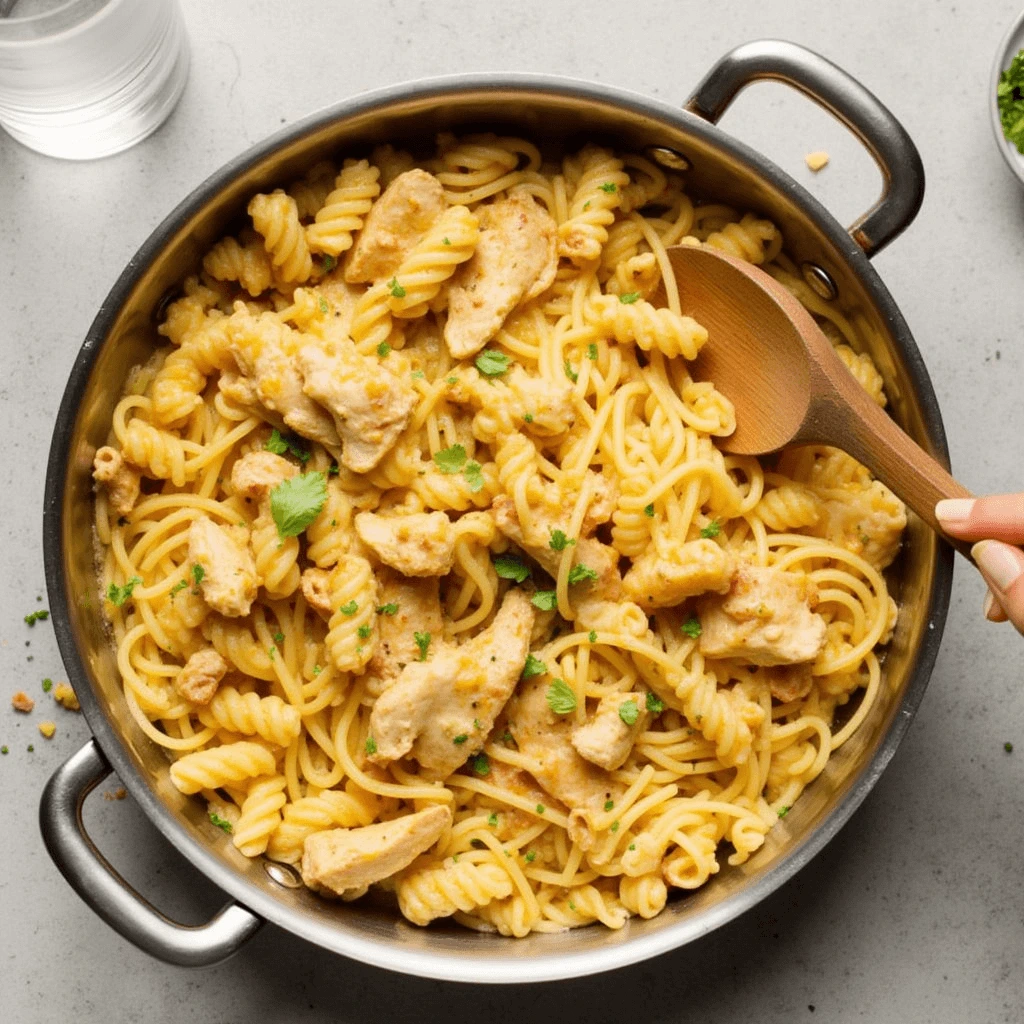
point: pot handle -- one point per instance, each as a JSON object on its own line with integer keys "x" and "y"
{"x": 109, "y": 895}
{"x": 844, "y": 97}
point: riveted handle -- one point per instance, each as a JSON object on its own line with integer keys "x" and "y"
{"x": 845, "y": 98}
{"x": 99, "y": 884}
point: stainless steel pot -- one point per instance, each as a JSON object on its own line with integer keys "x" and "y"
{"x": 834, "y": 259}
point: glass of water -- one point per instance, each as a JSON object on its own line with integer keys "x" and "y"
{"x": 86, "y": 78}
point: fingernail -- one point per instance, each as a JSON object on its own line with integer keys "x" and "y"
{"x": 997, "y": 562}
{"x": 990, "y": 604}
{"x": 954, "y": 510}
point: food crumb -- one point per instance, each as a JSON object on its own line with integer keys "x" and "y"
{"x": 64, "y": 695}
{"x": 4, "y": 750}
{"x": 48, "y": 729}
{"x": 115, "y": 794}
{"x": 1008, "y": 747}
{"x": 815, "y": 161}
{"x": 22, "y": 702}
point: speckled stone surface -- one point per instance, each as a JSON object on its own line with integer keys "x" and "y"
{"x": 916, "y": 911}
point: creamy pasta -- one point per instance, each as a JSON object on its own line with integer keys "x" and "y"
{"x": 425, "y": 569}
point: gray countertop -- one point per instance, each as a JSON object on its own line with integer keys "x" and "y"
{"x": 916, "y": 911}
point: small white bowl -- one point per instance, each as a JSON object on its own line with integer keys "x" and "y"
{"x": 1012, "y": 43}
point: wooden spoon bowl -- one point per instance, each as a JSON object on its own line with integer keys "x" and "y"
{"x": 766, "y": 354}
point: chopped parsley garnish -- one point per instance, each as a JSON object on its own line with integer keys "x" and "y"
{"x": 387, "y": 609}
{"x": 508, "y": 567}
{"x": 527, "y": 417}
{"x": 561, "y": 698}
{"x": 713, "y": 529}
{"x": 506, "y": 737}
{"x": 115, "y": 595}
{"x": 476, "y": 723}
{"x": 47, "y": 685}
{"x": 180, "y": 585}
{"x": 783, "y": 811}
{"x": 422, "y": 642}
{"x": 533, "y": 667}
{"x": 649, "y": 510}
{"x": 198, "y": 574}
{"x": 632, "y": 846}
{"x": 540, "y": 808}
{"x": 280, "y": 444}
{"x": 445, "y": 241}
{"x": 450, "y": 460}
{"x": 530, "y": 857}
{"x": 460, "y": 739}
{"x": 609, "y": 187}
{"x": 383, "y": 349}
{"x": 451, "y": 381}
{"x": 614, "y": 826}
{"x": 628, "y": 298}
{"x": 334, "y": 471}
{"x": 481, "y": 765}
{"x": 221, "y": 823}
{"x": 364, "y": 631}
{"x": 491, "y": 363}
{"x": 592, "y": 351}
{"x": 1008, "y": 747}
{"x": 42, "y": 614}
{"x": 371, "y": 745}
{"x": 317, "y": 670}
{"x": 350, "y": 608}
{"x": 609, "y": 804}
{"x": 545, "y": 600}
{"x": 691, "y": 627}
{"x": 474, "y": 476}
{"x": 295, "y": 503}
{"x": 324, "y": 308}
{"x": 1010, "y": 96}
{"x": 330, "y": 262}
{"x": 592, "y": 636}
{"x": 4, "y": 750}
{"x": 418, "y": 375}
{"x": 580, "y": 572}
{"x": 629, "y": 712}
{"x": 492, "y": 819}
{"x": 396, "y": 289}
{"x": 559, "y": 541}
{"x": 654, "y": 704}
{"x": 570, "y": 372}
{"x": 278, "y": 638}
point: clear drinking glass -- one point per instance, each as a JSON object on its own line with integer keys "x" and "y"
{"x": 86, "y": 78}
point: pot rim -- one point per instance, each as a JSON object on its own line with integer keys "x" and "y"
{"x": 495, "y": 965}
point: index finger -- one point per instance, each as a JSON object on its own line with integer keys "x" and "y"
{"x": 995, "y": 517}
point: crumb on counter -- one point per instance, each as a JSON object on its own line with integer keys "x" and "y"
{"x": 65, "y": 696}
{"x": 115, "y": 794}
{"x": 815, "y": 161}
{"x": 48, "y": 729}
{"x": 22, "y": 702}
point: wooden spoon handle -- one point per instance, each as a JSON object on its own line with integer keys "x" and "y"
{"x": 853, "y": 422}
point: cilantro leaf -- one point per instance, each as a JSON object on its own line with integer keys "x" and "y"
{"x": 350, "y": 608}
{"x": 387, "y": 609}
{"x": 592, "y": 636}
{"x": 481, "y": 764}
{"x": 450, "y": 460}
{"x": 580, "y": 572}
{"x": 324, "y": 308}
{"x": 628, "y": 298}
{"x": 783, "y": 811}
{"x": 422, "y": 642}
{"x": 592, "y": 351}
{"x": 474, "y": 476}
{"x": 528, "y": 417}
{"x": 609, "y": 187}
{"x": 364, "y": 631}
{"x": 561, "y": 698}
{"x": 654, "y": 704}
{"x": 198, "y": 574}
{"x": 295, "y": 503}
{"x": 115, "y": 595}
{"x": 531, "y": 856}
{"x": 383, "y": 349}
{"x": 570, "y": 372}
{"x": 180, "y": 585}
{"x": 221, "y": 823}
{"x": 713, "y": 529}
{"x": 47, "y": 685}
{"x": 649, "y": 510}
{"x": 609, "y": 804}
{"x": 491, "y": 363}
{"x": 460, "y": 739}
{"x": 371, "y": 745}
{"x": 277, "y": 444}
{"x": 278, "y": 637}
{"x": 396, "y": 289}
{"x": 1010, "y": 96}
{"x": 492, "y": 819}
{"x": 545, "y": 600}
{"x": 629, "y": 712}
{"x": 533, "y": 667}
{"x": 508, "y": 567}
{"x": 559, "y": 541}
{"x": 42, "y": 615}
{"x": 691, "y": 627}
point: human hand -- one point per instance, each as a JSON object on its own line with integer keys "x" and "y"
{"x": 997, "y": 523}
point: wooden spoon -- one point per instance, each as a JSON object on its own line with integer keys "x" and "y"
{"x": 766, "y": 354}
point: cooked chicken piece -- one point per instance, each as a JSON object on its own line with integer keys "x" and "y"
{"x": 342, "y": 859}
{"x": 370, "y": 405}
{"x": 22, "y": 702}
{"x": 515, "y": 260}
{"x": 790, "y": 682}
{"x": 396, "y": 222}
{"x": 868, "y": 521}
{"x": 606, "y": 738}
{"x": 407, "y": 607}
{"x": 546, "y": 738}
{"x": 605, "y": 496}
{"x": 242, "y": 391}
{"x": 118, "y": 479}
{"x": 511, "y": 821}
{"x": 256, "y": 474}
{"x": 418, "y": 544}
{"x": 458, "y": 692}
{"x": 200, "y": 676}
{"x": 764, "y": 619}
{"x": 265, "y": 350}
{"x": 668, "y": 573}
{"x": 229, "y": 581}
{"x": 316, "y": 589}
